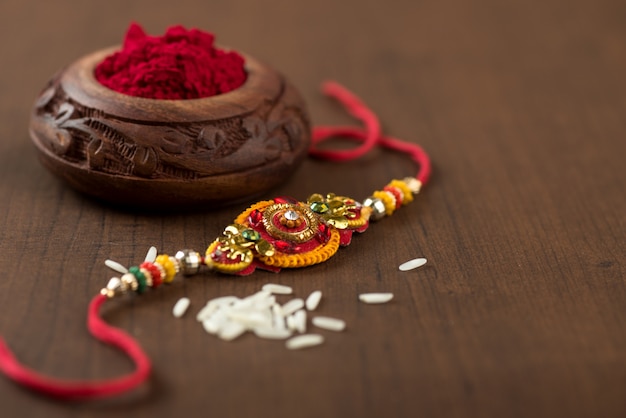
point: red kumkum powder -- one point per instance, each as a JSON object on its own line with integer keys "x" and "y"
{"x": 182, "y": 64}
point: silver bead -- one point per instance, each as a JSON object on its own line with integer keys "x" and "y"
{"x": 377, "y": 206}
{"x": 189, "y": 261}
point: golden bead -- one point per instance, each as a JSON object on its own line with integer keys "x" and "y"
{"x": 407, "y": 194}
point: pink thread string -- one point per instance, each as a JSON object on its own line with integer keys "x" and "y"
{"x": 82, "y": 389}
{"x": 370, "y": 135}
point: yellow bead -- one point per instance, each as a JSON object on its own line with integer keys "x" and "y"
{"x": 407, "y": 195}
{"x": 168, "y": 266}
{"x": 388, "y": 201}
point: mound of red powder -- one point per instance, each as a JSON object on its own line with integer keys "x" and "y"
{"x": 182, "y": 64}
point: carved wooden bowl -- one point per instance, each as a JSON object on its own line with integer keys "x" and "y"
{"x": 170, "y": 153}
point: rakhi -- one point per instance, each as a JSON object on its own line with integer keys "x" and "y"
{"x": 271, "y": 235}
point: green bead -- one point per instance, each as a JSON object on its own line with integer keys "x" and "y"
{"x": 142, "y": 283}
{"x": 319, "y": 207}
{"x": 251, "y": 235}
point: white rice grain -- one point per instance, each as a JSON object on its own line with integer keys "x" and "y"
{"x": 180, "y": 307}
{"x": 272, "y": 333}
{"x": 304, "y": 341}
{"x": 291, "y": 323}
{"x": 262, "y": 304}
{"x": 262, "y": 299}
{"x": 328, "y": 323}
{"x": 214, "y": 323}
{"x": 292, "y": 306}
{"x": 151, "y": 255}
{"x": 375, "y": 297}
{"x": 412, "y": 264}
{"x": 277, "y": 289}
{"x": 115, "y": 266}
{"x": 206, "y": 312}
{"x": 231, "y": 330}
{"x": 278, "y": 321}
{"x": 261, "y": 294}
{"x": 228, "y": 317}
{"x": 211, "y": 326}
{"x": 313, "y": 300}
{"x": 300, "y": 321}
{"x": 223, "y": 300}
{"x": 250, "y": 319}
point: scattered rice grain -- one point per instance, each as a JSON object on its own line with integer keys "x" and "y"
{"x": 304, "y": 341}
{"x": 272, "y": 333}
{"x": 300, "y": 321}
{"x": 277, "y": 289}
{"x": 250, "y": 319}
{"x": 291, "y": 322}
{"x": 412, "y": 264}
{"x": 313, "y": 300}
{"x": 181, "y": 307}
{"x": 223, "y": 300}
{"x": 212, "y": 327}
{"x": 231, "y": 330}
{"x": 115, "y": 266}
{"x": 292, "y": 306}
{"x": 228, "y": 317}
{"x": 331, "y": 324}
{"x": 206, "y": 312}
{"x": 151, "y": 255}
{"x": 278, "y": 320}
{"x": 375, "y": 297}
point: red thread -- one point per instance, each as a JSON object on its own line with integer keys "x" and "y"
{"x": 182, "y": 64}
{"x": 359, "y": 110}
{"x": 83, "y": 389}
{"x": 322, "y": 133}
{"x": 370, "y": 136}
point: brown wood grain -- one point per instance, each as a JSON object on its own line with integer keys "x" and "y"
{"x": 520, "y": 309}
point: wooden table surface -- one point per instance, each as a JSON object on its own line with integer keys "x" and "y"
{"x": 520, "y": 311}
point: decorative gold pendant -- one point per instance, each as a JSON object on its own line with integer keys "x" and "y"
{"x": 285, "y": 233}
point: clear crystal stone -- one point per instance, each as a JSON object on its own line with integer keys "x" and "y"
{"x": 292, "y": 215}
